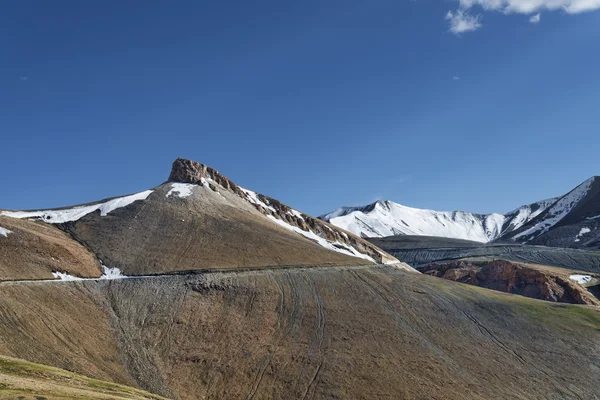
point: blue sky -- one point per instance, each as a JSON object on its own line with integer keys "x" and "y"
{"x": 434, "y": 104}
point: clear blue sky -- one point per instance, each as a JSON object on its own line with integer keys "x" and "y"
{"x": 317, "y": 103}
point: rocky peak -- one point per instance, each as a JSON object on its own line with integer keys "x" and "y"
{"x": 188, "y": 171}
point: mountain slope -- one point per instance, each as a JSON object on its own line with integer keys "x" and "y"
{"x": 200, "y": 219}
{"x": 25, "y": 380}
{"x": 572, "y": 221}
{"x": 327, "y": 332}
{"x": 386, "y": 218}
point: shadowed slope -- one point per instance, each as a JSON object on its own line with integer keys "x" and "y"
{"x": 33, "y": 250}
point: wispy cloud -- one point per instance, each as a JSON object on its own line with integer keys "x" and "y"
{"x": 461, "y": 21}
{"x": 456, "y": 78}
{"x": 535, "y": 18}
{"x": 23, "y": 78}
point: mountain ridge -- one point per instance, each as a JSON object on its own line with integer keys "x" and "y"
{"x": 386, "y": 218}
{"x": 198, "y": 219}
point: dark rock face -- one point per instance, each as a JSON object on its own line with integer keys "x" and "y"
{"x": 508, "y": 277}
{"x": 187, "y": 171}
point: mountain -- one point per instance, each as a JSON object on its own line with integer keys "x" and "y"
{"x": 571, "y": 220}
{"x": 199, "y": 288}
{"x": 198, "y": 219}
{"x": 386, "y": 218}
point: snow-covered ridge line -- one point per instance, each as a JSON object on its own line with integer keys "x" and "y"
{"x": 4, "y": 232}
{"x": 75, "y": 213}
{"x": 334, "y": 246}
{"x": 557, "y": 211}
{"x": 524, "y": 224}
{"x": 386, "y": 218}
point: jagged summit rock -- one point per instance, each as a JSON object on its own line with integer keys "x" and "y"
{"x": 188, "y": 171}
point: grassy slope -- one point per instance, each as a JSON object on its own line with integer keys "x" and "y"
{"x": 24, "y": 380}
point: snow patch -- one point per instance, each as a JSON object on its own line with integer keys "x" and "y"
{"x": 253, "y": 198}
{"x": 582, "y": 232}
{"x": 334, "y": 246}
{"x": 181, "y": 190}
{"x": 75, "y": 213}
{"x": 63, "y": 276}
{"x": 4, "y": 232}
{"x": 596, "y": 217}
{"x": 108, "y": 274}
{"x": 112, "y": 273}
{"x": 296, "y": 213}
{"x": 581, "y": 279}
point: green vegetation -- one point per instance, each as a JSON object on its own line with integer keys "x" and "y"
{"x": 25, "y": 380}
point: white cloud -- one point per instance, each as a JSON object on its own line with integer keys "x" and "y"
{"x": 461, "y": 21}
{"x": 532, "y": 6}
{"x": 456, "y": 78}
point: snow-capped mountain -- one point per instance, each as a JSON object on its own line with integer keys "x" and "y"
{"x": 573, "y": 220}
{"x": 523, "y": 225}
{"x": 386, "y": 218}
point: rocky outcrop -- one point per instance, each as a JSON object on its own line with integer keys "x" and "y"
{"x": 187, "y": 171}
{"x": 504, "y": 276}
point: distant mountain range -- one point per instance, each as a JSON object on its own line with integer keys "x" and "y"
{"x": 571, "y": 220}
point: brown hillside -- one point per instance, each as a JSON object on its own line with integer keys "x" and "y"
{"x": 33, "y": 250}
{"x": 356, "y": 332}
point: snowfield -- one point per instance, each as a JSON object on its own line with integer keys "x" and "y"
{"x": 4, "y": 232}
{"x": 75, "y": 213}
{"x": 386, "y": 218}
